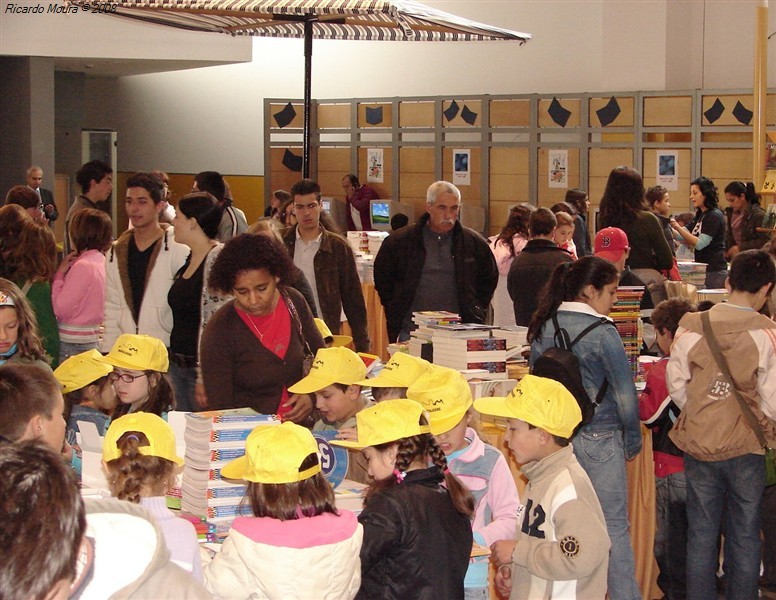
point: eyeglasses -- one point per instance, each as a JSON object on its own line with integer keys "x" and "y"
{"x": 125, "y": 377}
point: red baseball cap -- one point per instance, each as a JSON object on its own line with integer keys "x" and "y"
{"x": 610, "y": 243}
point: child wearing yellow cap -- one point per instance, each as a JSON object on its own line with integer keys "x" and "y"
{"x": 417, "y": 514}
{"x": 296, "y": 544}
{"x": 334, "y": 382}
{"x": 140, "y": 364}
{"x": 447, "y": 398}
{"x": 88, "y": 393}
{"x": 562, "y": 545}
{"x": 396, "y": 376}
{"x": 140, "y": 464}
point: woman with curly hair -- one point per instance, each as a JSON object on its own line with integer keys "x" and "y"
{"x": 505, "y": 247}
{"x": 255, "y": 346}
{"x": 623, "y": 206}
{"x": 30, "y": 262}
{"x": 706, "y": 232}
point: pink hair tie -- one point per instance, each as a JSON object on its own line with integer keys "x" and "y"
{"x": 400, "y": 475}
{"x": 446, "y": 471}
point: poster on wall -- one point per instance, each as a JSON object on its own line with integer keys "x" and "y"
{"x": 668, "y": 169}
{"x": 461, "y": 167}
{"x": 558, "y": 169}
{"x": 374, "y": 161}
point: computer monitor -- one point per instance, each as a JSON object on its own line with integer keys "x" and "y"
{"x": 337, "y": 210}
{"x": 473, "y": 217}
{"x": 381, "y": 211}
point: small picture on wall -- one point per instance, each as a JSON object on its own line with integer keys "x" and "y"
{"x": 374, "y": 161}
{"x": 462, "y": 167}
{"x": 668, "y": 170}
{"x": 558, "y": 169}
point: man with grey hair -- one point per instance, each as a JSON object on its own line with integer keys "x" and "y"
{"x": 436, "y": 264}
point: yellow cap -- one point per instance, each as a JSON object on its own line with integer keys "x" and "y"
{"x": 273, "y": 454}
{"x": 80, "y": 370}
{"x": 161, "y": 439}
{"x": 139, "y": 353}
{"x": 400, "y": 371}
{"x": 446, "y": 396}
{"x": 331, "y": 365}
{"x": 538, "y": 401}
{"x": 334, "y": 340}
{"x": 388, "y": 421}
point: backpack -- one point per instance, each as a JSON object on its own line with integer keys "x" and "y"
{"x": 562, "y": 365}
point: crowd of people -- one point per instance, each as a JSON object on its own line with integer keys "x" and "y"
{"x": 192, "y": 309}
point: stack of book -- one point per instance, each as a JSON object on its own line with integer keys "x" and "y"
{"x": 420, "y": 337}
{"x": 471, "y": 349}
{"x": 692, "y": 272}
{"x": 626, "y": 314}
{"x": 213, "y": 439}
{"x": 206, "y": 531}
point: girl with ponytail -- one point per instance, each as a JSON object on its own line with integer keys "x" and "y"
{"x": 579, "y": 296}
{"x": 744, "y": 216}
{"x": 417, "y": 514}
{"x": 141, "y": 464}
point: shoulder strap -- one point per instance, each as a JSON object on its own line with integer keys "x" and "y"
{"x": 589, "y": 328}
{"x": 298, "y": 322}
{"x": 719, "y": 358}
{"x": 561, "y": 340}
{"x": 561, "y": 337}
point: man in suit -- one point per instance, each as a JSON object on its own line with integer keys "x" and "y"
{"x": 34, "y": 179}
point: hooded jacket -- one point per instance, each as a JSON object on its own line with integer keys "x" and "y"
{"x": 131, "y": 559}
{"x": 310, "y": 557}
{"x": 399, "y": 266}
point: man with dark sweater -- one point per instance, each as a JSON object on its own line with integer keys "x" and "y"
{"x": 533, "y": 267}
{"x": 436, "y": 264}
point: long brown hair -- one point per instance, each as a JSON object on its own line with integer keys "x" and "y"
{"x": 422, "y": 447}
{"x": 28, "y": 340}
{"x": 133, "y": 475}
{"x": 35, "y": 256}
{"x": 286, "y": 501}
{"x": 161, "y": 397}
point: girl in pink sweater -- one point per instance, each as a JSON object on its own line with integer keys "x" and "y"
{"x": 78, "y": 289}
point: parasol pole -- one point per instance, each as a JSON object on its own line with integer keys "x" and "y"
{"x": 308, "y": 63}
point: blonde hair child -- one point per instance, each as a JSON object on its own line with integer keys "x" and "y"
{"x": 296, "y": 544}
{"x": 19, "y": 339}
{"x": 141, "y": 463}
{"x": 140, "y": 364}
{"x": 447, "y": 398}
{"x": 416, "y": 517}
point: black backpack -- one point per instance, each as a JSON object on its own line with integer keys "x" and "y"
{"x": 561, "y": 364}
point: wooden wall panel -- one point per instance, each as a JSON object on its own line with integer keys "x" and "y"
{"x": 383, "y": 189}
{"x": 333, "y": 165}
{"x": 510, "y": 113}
{"x": 624, "y": 119}
{"x": 387, "y": 115}
{"x": 668, "y": 111}
{"x": 723, "y": 165}
{"x": 573, "y": 105}
{"x": 547, "y": 195}
{"x": 473, "y": 106}
{"x": 416, "y": 114}
{"x": 600, "y": 162}
{"x": 297, "y": 121}
{"x": 729, "y": 102}
{"x": 416, "y": 174}
{"x": 333, "y": 116}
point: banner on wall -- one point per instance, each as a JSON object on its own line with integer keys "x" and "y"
{"x": 374, "y": 161}
{"x": 558, "y": 164}
{"x": 668, "y": 169}
{"x": 462, "y": 167}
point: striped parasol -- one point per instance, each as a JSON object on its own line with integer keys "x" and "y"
{"x": 372, "y": 20}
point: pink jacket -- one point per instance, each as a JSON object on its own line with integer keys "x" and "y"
{"x": 500, "y": 501}
{"x": 78, "y": 298}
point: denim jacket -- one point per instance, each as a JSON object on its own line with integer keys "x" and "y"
{"x": 601, "y": 347}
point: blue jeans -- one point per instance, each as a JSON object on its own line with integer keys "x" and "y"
{"x": 602, "y": 456}
{"x": 67, "y": 349}
{"x": 732, "y": 489}
{"x": 671, "y": 534}
{"x": 183, "y": 380}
